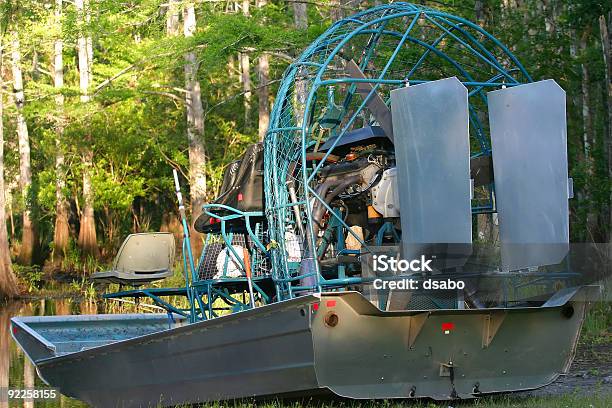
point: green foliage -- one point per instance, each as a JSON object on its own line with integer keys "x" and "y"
{"x": 135, "y": 122}
{"x": 46, "y": 197}
{"x": 597, "y": 327}
{"x": 117, "y": 187}
{"x": 84, "y": 287}
{"x": 72, "y": 262}
{"x": 30, "y": 276}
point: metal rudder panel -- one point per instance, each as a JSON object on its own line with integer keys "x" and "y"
{"x": 431, "y": 132}
{"x": 529, "y": 141}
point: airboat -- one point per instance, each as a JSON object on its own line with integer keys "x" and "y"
{"x": 396, "y": 131}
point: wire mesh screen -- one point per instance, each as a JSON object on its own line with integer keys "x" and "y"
{"x": 394, "y": 45}
{"x": 218, "y": 261}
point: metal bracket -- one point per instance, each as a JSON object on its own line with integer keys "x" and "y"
{"x": 491, "y": 324}
{"x": 445, "y": 370}
{"x": 472, "y": 184}
{"x": 416, "y": 324}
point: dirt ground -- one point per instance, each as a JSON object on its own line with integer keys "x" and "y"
{"x": 590, "y": 373}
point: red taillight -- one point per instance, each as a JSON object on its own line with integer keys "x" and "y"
{"x": 447, "y": 327}
{"x": 240, "y": 197}
{"x": 14, "y": 330}
{"x": 331, "y": 303}
{"x": 315, "y": 306}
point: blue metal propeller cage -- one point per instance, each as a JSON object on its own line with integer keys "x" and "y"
{"x": 394, "y": 45}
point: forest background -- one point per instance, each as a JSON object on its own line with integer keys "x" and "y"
{"x": 100, "y": 99}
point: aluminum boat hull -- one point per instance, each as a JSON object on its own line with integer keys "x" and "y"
{"x": 298, "y": 347}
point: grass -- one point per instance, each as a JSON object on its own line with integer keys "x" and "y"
{"x": 503, "y": 401}
{"x": 597, "y": 328}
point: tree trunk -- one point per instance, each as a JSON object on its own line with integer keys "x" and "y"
{"x": 61, "y": 234}
{"x": 245, "y": 65}
{"x": 10, "y": 209}
{"x": 587, "y": 133}
{"x": 549, "y": 16}
{"x": 263, "y": 70}
{"x": 587, "y": 124}
{"x": 606, "y": 46}
{"x": 83, "y": 55}
{"x": 87, "y": 232}
{"x": 8, "y": 282}
{"x": 25, "y": 171}
{"x": 88, "y": 41}
{"x": 336, "y": 13}
{"x": 231, "y": 68}
{"x": 574, "y": 44}
{"x": 300, "y": 15}
{"x": 195, "y": 121}
{"x": 172, "y": 18}
{"x": 479, "y": 11}
{"x": 300, "y": 20}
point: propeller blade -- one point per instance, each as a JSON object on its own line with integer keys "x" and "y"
{"x": 375, "y": 104}
{"x": 481, "y": 168}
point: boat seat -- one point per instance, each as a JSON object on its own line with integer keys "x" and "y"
{"x": 142, "y": 258}
{"x": 242, "y": 189}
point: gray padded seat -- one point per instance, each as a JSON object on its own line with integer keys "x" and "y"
{"x": 142, "y": 258}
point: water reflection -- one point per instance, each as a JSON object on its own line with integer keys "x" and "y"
{"x": 16, "y": 371}
{"x": 6, "y": 347}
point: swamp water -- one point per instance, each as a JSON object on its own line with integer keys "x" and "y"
{"x": 16, "y": 371}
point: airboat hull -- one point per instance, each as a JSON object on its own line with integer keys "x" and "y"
{"x": 297, "y": 348}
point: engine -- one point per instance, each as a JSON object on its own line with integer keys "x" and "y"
{"x": 358, "y": 182}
